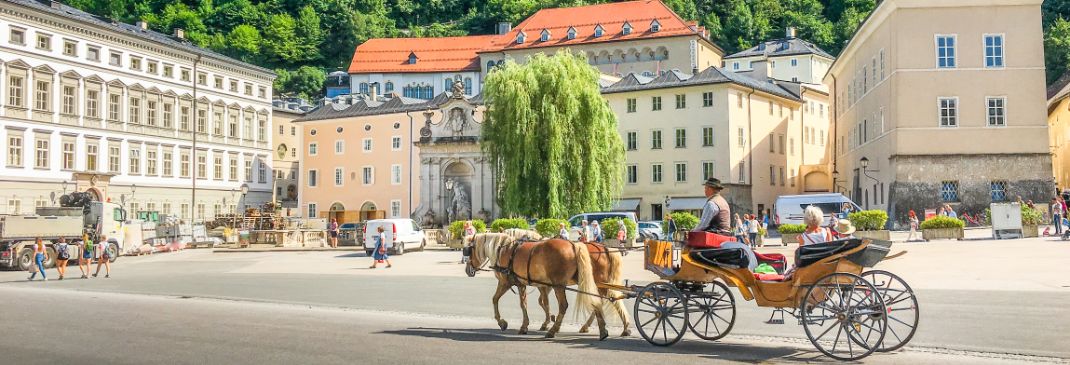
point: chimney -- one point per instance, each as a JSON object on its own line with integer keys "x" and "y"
{"x": 760, "y": 70}
{"x": 143, "y": 25}
{"x": 790, "y": 32}
{"x": 180, "y": 33}
{"x": 54, "y": 4}
{"x": 504, "y": 27}
{"x": 373, "y": 89}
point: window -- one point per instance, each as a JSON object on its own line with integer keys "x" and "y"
{"x": 41, "y": 153}
{"x": 681, "y": 172}
{"x": 632, "y": 140}
{"x": 15, "y": 91}
{"x": 631, "y": 105}
{"x": 233, "y": 168}
{"x": 993, "y": 50}
{"x": 183, "y": 164}
{"x": 249, "y": 168}
{"x": 115, "y": 59}
{"x": 949, "y": 191}
{"x": 339, "y": 147}
{"x": 338, "y": 176}
{"x": 311, "y": 210}
{"x": 395, "y": 174}
{"x": 135, "y": 63}
{"x": 152, "y": 65}
{"x": 707, "y": 136}
{"x": 233, "y": 86}
{"x": 882, "y": 63}
{"x": 91, "y": 156}
{"x": 135, "y": 110}
{"x": 633, "y": 174}
{"x": 248, "y": 89}
{"x": 92, "y": 103}
{"x": 113, "y": 158}
{"x": 68, "y": 155}
{"x": 113, "y": 107}
{"x": 794, "y": 62}
{"x": 791, "y": 146}
{"x": 183, "y": 118}
{"x": 68, "y": 99}
{"x": 92, "y": 53}
{"x": 168, "y": 71}
{"x": 42, "y": 101}
{"x": 598, "y": 30}
{"x": 772, "y": 143}
{"x": 999, "y": 190}
{"x": 18, "y": 36}
{"x": 681, "y": 138}
{"x": 395, "y": 208}
{"x": 202, "y": 121}
{"x": 313, "y": 178}
{"x": 262, "y": 172}
{"x": 742, "y": 139}
{"x": 135, "y": 160}
{"x": 293, "y": 131}
{"x": 367, "y": 175}
{"x": 655, "y": 139}
{"x": 791, "y": 177}
{"x": 217, "y": 82}
{"x": 655, "y": 103}
{"x": 366, "y": 145}
{"x": 232, "y": 126}
{"x": 313, "y": 148}
{"x": 945, "y": 51}
{"x": 742, "y": 172}
{"x": 261, "y": 92}
{"x": 186, "y": 75}
{"x": 217, "y": 166}
{"x": 707, "y": 170}
{"x": 681, "y": 101}
{"x": 772, "y": 175}
{"x": 44, "y": 42}
{"x": 655, "y": 173}
{"x": 948, "y": 112}
{"x": 997, "y": 112}
{"x": 782, "y": 176}
{"x": 150, "y": 161}
{"x": 395, "y": 143}
{"x": 735, "y": 65}
{"x": 150, "y": 111}
{"x": 70, "y": 48}
{"x": 707, "y": 99}
{"x": 202, "y": 165}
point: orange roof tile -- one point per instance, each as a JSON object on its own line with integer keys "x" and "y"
{"x": 433, "y": 54}
{"x": 612, "y": 17}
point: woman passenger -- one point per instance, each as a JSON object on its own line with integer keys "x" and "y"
{"x": 815, "y": 233}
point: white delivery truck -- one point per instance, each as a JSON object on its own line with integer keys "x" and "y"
{"x": 96, "y": 219}
{"x": 789, "y": 208}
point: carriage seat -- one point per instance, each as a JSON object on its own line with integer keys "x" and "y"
{"x": 726, "y": 258}
{"x": 707, "y": 240}
{"x": 769, "y": 277}
{"x": 809, "y": 254}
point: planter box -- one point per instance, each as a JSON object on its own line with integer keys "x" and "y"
{"x": 882, "y": 235}
{"x": 786, "y": 238}
{"x": 614, "y": 243}
{"x": 1030, "y": 231}
{"x": 942, "y": 234}
{"x": 455, "y": 244}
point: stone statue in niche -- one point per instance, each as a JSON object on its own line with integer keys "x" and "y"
{"x": 460, "y": 205}
{"x": 457, "y": 121}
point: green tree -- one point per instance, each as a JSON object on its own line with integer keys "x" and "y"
{"x": 552, "y": 136}
{"x": 305, "y": 82}
{"x": 1057, "y": 49}
{"x": 244, "y": 42}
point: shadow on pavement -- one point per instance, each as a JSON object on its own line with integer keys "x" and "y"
{"x": 709, "y": 350}
{"x": 351, "y": 255}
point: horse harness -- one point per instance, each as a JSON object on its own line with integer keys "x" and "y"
{"x": 515, "y": 279}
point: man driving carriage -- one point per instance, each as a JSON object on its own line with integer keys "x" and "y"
{"x": 716, "y": 214}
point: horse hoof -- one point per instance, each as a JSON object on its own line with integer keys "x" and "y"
{"x": 603, "y": 336}
{"x": 522, "y": 331}
{"x": 544, "y": 328}
{"x": 584, "y": 330}
{"x": 503, "y": 324}
{"x": 626, "y": 333}
{"x": 549, "y": 335}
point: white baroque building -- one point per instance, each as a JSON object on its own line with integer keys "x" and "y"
{"x": 89, "y": 104}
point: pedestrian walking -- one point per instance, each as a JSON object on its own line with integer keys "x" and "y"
{"x": 622, "y": 234}
{"x": 332, "y": 230}
{"x": 670, "y": 226}
{"x": 381, "y": 252}
{"x": 562, "y": 231}
{"x": 950, "y": 212}
{"x": 86, "y": 258}
{"x": 585, "y": 231}
{"x": 913, "y": 224}
{"x": 1057, "y": 215}
{"x": 752, "y": 230}
{"x": 38, "y": 264}
{"x": 62, "y": 256}
{"x": 103, "y": 257}
{"x": 740, "y": 230}
{"x": 596, "y": 232}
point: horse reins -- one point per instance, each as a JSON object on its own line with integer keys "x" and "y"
{"x": 515, "y": 278}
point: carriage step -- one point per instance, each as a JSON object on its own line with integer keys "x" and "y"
{"x": 773, "y": 319}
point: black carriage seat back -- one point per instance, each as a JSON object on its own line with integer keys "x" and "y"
{"x": 809, "y": 254}
{"x": 727, "y": 258}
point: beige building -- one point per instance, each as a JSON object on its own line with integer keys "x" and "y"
{"x": 942, "y": 102}
{"x": 286, "y": 157}
{"x": 748, "y": 130}
{"x": 1059, "y": 130}
{"x": 790, "y": 59}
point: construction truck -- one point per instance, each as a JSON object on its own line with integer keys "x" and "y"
{"x": 76, "y": 216}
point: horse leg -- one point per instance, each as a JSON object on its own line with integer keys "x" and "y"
{"x": 502, "y": 288}
{"x": 587, "y": 325}
{"x": 544, "y": 302}
{"x": 602, "y": 332}
{"x": 623, "y": 313}
{"x": 562, "y": 306}
{"x": 523, "y": 294}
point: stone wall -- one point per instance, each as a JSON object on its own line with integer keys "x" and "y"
{"x": 739, "y": 198}
{"x": 919, "y": 181}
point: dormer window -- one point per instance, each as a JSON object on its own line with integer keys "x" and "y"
{"x": 626, "y": 29}
{"x": 571, "y": 33}
{"x": 412, "y": 58}
{"x": 520, "y": 37}
{"x": 655, "y": 26}
{"x": 544, "y": 36}
{"x": 761, "y": 46}
{"x": 598, "y": 30}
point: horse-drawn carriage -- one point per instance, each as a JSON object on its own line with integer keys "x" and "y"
{"x": 846, "y": 312}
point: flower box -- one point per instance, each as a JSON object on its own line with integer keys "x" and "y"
{"x": 788, "y": 238}
{"x": 942, "y": 233}
{"x": 1030, "y": 231}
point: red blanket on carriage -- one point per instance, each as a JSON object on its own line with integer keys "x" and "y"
{"x": 707, "y": 240}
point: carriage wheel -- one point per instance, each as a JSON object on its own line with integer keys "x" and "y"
{"x": 660, "y": 313}
{"x": 711, "y": 314}
{"x": 902, "y": 308}
{"x": 844, "y": 316}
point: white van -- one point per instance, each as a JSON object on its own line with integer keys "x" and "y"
{"x": 789, "y": 208}
{"x": 401, "y": 235}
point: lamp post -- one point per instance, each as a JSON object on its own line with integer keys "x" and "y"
{"x": 450, "y": 208}
{"x": 244, "y": 191}
{"x": 64, "y": 186}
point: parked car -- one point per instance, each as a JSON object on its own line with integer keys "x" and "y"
{"x": 650, "y": 230}
{"x": 404, "y": 234}
{"x": 578, "y": 219}
{"x": 351, "y": 233}
{"x": 789, "y": 208}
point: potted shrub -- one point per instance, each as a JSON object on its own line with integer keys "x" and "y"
{"x": 789, "y": 233}
{"x": 501, "y": 224}
{"x": 684, "y": 222}
{"x": 941, "y": 227}
{"x": 457, "y": 232}
{"x": 1031, "y": 220}
{"x": 549, "y": 227}
{"x": 870, "y": 224}
{"x": 609, "y": 231}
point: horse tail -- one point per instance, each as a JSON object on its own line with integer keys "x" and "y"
{"x": 586, "y": 301}
{"x": 615, "y": 273}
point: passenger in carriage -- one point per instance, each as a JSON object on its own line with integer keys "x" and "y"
{"x": 844, "y": 229}
{"x": 815, "y": 233}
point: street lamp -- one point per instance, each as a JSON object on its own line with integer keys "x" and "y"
{"x": 450, "y": 211}
{"x": 244, "y": 190}
{"x": 64, "y": 185}
{"x": 864, "y": 162}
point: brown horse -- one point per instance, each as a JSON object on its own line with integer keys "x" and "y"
{"x": 553, "y": 263}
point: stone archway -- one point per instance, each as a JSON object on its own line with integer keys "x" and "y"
{"x": 816, "y": 181}
{"x": 457, "y": 179}
{"x": 336, "y": 211}
{"x": 369, "y": 210}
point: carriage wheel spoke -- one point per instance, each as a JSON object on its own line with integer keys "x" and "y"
{"x": 897, "y": 320}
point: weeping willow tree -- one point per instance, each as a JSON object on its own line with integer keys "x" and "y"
{"x": 552, "y": 136}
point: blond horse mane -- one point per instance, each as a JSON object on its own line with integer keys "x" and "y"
{"x": 523, "y": 234}
{"x": 486, "y": 246}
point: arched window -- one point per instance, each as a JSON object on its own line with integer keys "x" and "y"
{"x": 447, "y": 83}
{"x": 490, "y": 65}
{"x": 389, "y": 88}
{"x": 468, "y": 86}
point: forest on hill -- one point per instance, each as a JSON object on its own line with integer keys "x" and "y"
{"x": 303, "y": 40}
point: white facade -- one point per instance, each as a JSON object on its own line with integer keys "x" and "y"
{"x": 423, "y": 85}
{"x": 79, "y": 99}
{"x": 804, "y": 68}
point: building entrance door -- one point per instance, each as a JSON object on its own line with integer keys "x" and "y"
{"x": 656, "y": 211}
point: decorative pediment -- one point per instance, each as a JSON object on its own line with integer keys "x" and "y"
{"x": 94, "y": 79}
{"x": 18, "y": 64}
{"x": 234, "y": 106}
{"x": 186, "y": 97}
{"x": 70, "y": 75}
{"x": 44, "y": 69}
{"x": 154, "y": 90}
{"x": 116, "y": 83}
{"x": 219, "y": 103}
{"x": 170, "y": 93}
{"x": 136, "y": 87}
{"x": 204, "y": 100}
